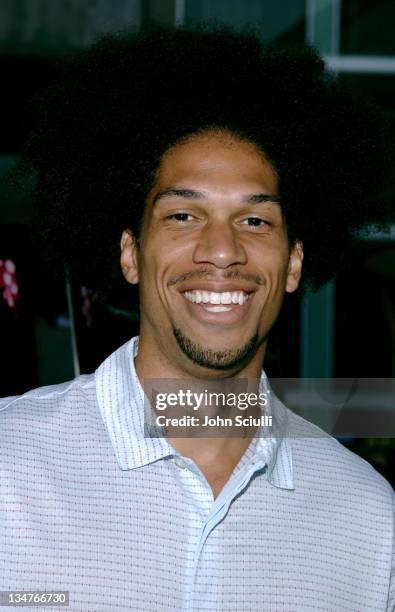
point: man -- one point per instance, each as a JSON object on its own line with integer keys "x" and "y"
{"x": 224, "y": 168}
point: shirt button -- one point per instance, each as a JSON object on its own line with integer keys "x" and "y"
{"x": 180, "y": 463}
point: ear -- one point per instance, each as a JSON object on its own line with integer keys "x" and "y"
{"x": 294, "y": 267}
{"x": 129, "y": 257}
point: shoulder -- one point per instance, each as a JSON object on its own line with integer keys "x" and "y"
{"x": 49, "y": 426}
{"x": 44, "y": 403}
{"x": 320, "y": 460}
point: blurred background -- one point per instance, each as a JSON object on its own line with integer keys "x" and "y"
{"x": 51, "y": 332}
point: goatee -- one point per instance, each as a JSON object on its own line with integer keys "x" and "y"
{"x": 227, "y": 359}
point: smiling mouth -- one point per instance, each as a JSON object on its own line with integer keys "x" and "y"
{"x": 215, "y": 301}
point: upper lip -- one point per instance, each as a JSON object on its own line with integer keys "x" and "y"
{"x": 216, "y": 286}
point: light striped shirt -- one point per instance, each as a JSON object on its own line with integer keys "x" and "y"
{"x": 90, "y": 505}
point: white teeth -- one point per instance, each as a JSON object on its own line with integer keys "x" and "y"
{"x": 215, "y": 297}
{"x": 226, "y": 298}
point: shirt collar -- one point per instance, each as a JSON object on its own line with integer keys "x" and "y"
{"x": 121, "y": 402}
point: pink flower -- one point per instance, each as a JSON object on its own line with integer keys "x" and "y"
{"x": 8, "y": 282}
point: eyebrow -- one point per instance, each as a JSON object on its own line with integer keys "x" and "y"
{"x": 192, "y": 194}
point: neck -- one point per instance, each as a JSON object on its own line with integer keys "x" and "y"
{"x": 204, "y": 444}
{"x": 155, "y": 361}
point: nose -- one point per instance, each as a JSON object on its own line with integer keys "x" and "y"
{"x": 219, "y": 245}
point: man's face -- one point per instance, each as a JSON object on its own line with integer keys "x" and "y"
{"x": 213, "y": 261}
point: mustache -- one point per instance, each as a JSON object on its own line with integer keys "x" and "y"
{"x": 207, "y": 273}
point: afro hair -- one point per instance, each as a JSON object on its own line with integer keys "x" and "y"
{"x": 104, "y": 126}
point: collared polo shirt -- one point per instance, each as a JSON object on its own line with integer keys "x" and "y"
{"x": 90, "y": 505}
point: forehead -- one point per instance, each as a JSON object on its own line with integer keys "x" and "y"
{"x": 217, "y": 160}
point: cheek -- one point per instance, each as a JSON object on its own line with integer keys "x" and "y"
{"x": 274, "y": 267}
{"x": 147, "y": 276}
{"x": 154, "y": 275}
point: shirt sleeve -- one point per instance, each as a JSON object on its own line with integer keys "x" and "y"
{"x": 391, "y": 594}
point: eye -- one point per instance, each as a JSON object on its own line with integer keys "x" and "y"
{"x": 181, "y": 217}
{"x": 256, "y": 222}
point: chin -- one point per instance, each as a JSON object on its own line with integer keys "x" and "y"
{"x": 216, "y": 358}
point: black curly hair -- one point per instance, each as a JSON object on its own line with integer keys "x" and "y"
{"x": 105, "y": 125}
